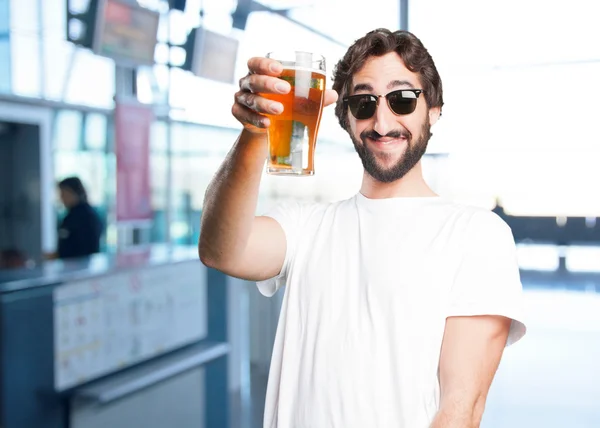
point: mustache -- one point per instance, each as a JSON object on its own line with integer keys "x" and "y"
{"x": 396, "y": 133}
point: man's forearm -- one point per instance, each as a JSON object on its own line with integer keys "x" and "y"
{"x": 449, "y": 420}
{"x": 231, "y": 198}
{"x": 459, "y": 416}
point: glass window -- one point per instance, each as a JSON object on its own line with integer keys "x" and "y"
{"x": 211, "y": 141}
{"x": 4, "y": 17}
{"x": 62, "y": 58}
{"x": 145, "y": 87}
{"x": 179, "y": 26}
{"x": 182, "y": 223}
{"x": 159, "y": 179}
{"x": 179, "y": 140}
{"x": 153, "y": 84}
{"x": 24, "y": 16}
{"x": 25, "y": 48}
{"x": 54, "y": 18}
{"x": 95, "y": 131}
{"x": 5, "y": 78}
{"x": 181, "y": 164}
{"x": 161, "y": 53}
{"x": 159, "y": 139}
{"x": 26, "y": 65}
{"x": 91, "y": 80}
{"x": 162, "y": 35}
{"x": 79, "y": 148}
{"x": 59, "y": 57}
{"x": 197, "y": 153}
{"x": 67, "y": 130}
{"x": 111, "y": 197}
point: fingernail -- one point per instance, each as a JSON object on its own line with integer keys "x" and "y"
{"x": 276, "y": 108}
{"x": 275, "y": 67}
{"x": 282, "y": 87}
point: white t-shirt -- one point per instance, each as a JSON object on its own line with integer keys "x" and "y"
{"x": 369, "y": 285}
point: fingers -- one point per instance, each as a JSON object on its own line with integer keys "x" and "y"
{"x": 265, "y": 66}
{"x": 262, "y": 84}
{"x": 331, "y": 97}
{"x": 257, "y": 103}
{"x": 250, "y": 106}
{"x": 249, "y": 118}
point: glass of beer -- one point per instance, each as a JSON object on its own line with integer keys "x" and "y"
{"x": 292, "y": 135}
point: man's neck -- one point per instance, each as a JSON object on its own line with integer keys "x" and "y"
{"x": 411, "y": 185}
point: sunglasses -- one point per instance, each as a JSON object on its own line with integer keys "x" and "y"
{"x": 402, "y": 101}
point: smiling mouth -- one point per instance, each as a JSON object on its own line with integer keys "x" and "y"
{"x": 386, "y": 141}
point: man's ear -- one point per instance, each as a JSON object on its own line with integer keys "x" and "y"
{"x": 434, "y": 115}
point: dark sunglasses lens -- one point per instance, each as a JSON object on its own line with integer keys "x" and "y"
{"x": 362, "y": 107}
{"x": 400, "y": 104}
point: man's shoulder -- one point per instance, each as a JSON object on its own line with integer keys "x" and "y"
{"x": 477, "y": 220}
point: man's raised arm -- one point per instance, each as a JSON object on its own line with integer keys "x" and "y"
{"x": 232, "y": 239}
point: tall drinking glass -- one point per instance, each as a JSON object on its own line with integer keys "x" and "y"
{"x": 292, "y": 134}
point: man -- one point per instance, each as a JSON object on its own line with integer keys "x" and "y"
{"x": 398, "y": 302}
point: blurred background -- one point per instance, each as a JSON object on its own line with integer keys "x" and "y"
{"x": 134, "y": 98}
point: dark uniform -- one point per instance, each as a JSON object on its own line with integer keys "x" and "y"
{"x": 79, "y": 233}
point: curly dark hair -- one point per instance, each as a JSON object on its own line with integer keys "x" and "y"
{"x": 378, "y": 43}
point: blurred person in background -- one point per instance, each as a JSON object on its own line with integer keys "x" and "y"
{"x": 398, "y": 302}
{"x": 80, "y": 231}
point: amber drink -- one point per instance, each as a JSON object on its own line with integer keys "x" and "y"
{"x": 292, "y": 135}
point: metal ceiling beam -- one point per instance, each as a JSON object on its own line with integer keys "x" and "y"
{"x": 404, "y": 15}
{"x": 240, "y": 14}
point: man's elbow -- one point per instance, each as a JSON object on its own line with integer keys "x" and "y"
{"x": 216, "y": 259}
{"x": 207, "y": 256}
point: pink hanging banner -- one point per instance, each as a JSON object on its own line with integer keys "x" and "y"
{"x": 132, "y": 147}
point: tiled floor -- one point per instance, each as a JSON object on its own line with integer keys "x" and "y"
{"x": 551, "y": 379}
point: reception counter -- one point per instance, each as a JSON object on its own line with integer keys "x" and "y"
{"x": 124, "y": 340}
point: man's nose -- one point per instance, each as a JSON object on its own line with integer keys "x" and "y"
{"x": 385, "y": 119}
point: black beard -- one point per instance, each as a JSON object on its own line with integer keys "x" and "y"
{"x": 412, "y": 155}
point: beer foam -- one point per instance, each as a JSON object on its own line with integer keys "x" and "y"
{"x": 300, "y": 68}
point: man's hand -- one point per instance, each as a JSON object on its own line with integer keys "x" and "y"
{"x": 50, "y": 256}
{"x": 471, "y": 352}
{"x": 249, "y": 107}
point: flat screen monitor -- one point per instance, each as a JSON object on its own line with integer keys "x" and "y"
{"x": 126, "y": 32}
{"x": 212, "y": 55}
